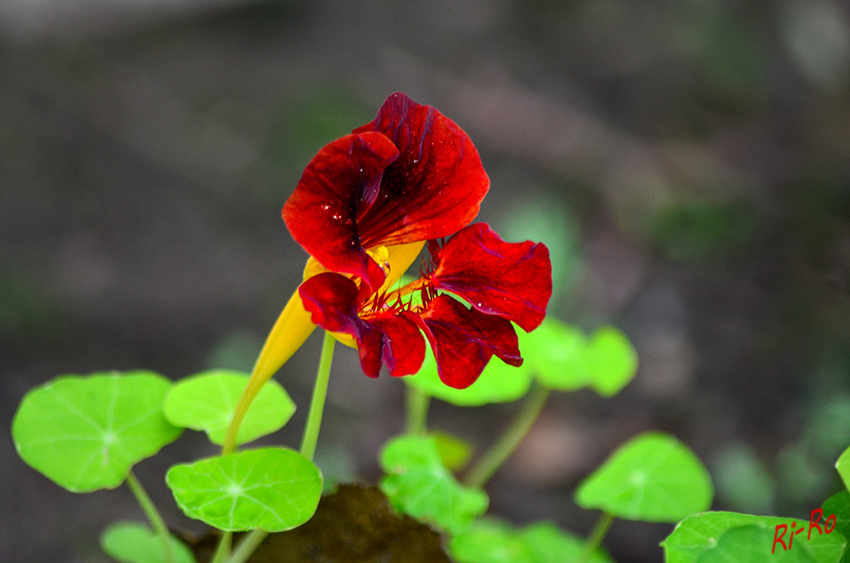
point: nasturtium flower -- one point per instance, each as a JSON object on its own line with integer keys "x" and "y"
{"x": 363, "y": 210}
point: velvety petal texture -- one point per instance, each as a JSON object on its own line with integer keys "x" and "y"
{"x": 511, "y": 280}
{"x": 381, "y": 337}
{"x": 463, "y": 340}
{"x": 411, "y": 175}
{"x": 321, "y": 213}
{"x": 434, "y": 187}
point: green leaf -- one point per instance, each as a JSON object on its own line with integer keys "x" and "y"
{"x": 207, "y": 401}
{"x": 86, "y": 432}
{"x": 653, "y": 477}
{"x": 611, "y": 361}
{"x": 556, "y": 353}
{"x": 498, "y": 383}
{"x": 272, "y": 489}
{"x": 696, "y": 535}
{"x": 565, "y": 360}
{"x": 130, "y": 542}
{"x": 455, "y": 452}
{"x": 843, "y": 467}
{"x": 550, "y": 544}
{"x": 491, "y": 541}
{"x": 839, "y": 504}
{"x": 417, "y": 484}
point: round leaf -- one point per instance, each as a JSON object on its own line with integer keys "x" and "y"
{"x": 272, "y": 489}
{"x": 556, "y": 353}
{"x": 611, "y": 361}
{"x": 206, "y": 401}
{"x": 417, "y": 484}
{"x": 839, "y": 504}
{"x": 85, "y": 433}
{"x": 653, "y": 477}
{"x": 843, "y": 467}
{"x": 699, "y": 534}
{"x": 490, "y": 541}
{"x": 130, "y": 542}
{"x": 498, "y": 383}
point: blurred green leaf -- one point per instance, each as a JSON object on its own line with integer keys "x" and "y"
{"x": 86, "y": 432}
{"x": 498, "y": 383}
{"x": 565, "y": 360}
{"x": 130, "y": 542}
{"x": 611, "y": 361}
{"x": 272, "y": 489}
{"x": 491, "y": 541}
{"x": 207, "y": 401}
{"x": 417, "y": 484}
{"x": 556, "y": 352}
{"x": 455, "y": 452}
{"x": 653, "y": 477}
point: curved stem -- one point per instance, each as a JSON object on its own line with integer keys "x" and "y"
{"x": 222, "y": 550}
{"x": 417, "y": 410}
{"x": 499, "y": 452}
{"x": 151, "y": 512}
{"x": 597, "y": 535}
{"x": 247, "y": 546}
{"x": 308, "y": 442}
{"x": 317, "y": 403}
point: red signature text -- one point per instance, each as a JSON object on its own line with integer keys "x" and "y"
{"x": 817, "y": 514}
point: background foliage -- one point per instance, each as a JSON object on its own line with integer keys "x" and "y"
{"x": 685, "y": 161}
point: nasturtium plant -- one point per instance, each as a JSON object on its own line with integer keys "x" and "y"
{"x": 653, "y": 477}
{"x": 207, "y": 401}
{"x": 272, "y": 489}
{"x": 731, "y": 536}
{"x": 498, "y": 383}
{"x": 419, "y": 485}
{"x": 86, "y": 432}
{"x": 131, "y": 542}
{"x": 491, "y": 541}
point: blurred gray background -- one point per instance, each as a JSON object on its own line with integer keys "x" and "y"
{"x": 686, "y": 161}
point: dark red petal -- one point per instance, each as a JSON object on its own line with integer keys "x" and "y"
{"x": 436, "y": 185}
{"x": 404, "y": 346}
{"x": 332, "y": 300}
{"x": 511, "y": 280}
{"x": 464, "y": 340}
{"x": 336, "y": 186}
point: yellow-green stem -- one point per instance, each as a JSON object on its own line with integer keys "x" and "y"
{"x": 151, "y": 512}
{"x": 597, "y": 535}
{"x": 247, "y": 546}
{"x": 500, "y": 451}
{"x": 417, "y": 410}
{"x": 317, "y": 403}
{"x": 222, "y": 551}
{"x": 308, "y": 442}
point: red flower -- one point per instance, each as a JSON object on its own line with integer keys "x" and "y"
{"x": 364, "y": 208}
{"x": 502, "y": 282}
